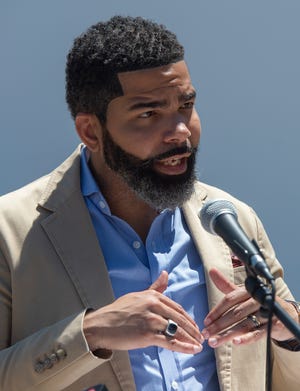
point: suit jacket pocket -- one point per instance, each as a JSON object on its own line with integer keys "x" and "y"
{"x": 239, "y": 275}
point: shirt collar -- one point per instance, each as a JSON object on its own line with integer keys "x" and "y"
{"x": 88, "y": 183}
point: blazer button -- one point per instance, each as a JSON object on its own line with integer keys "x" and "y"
{"x": 53, "y": 358}
{"x": 61, "y": 354}
{"x": 39, "y": 367}
{"x": 47, "y": 363}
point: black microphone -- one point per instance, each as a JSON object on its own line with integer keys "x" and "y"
{"x": 219, "y": 217}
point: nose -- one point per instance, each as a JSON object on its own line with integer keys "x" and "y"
{"x": 178, "y": 134}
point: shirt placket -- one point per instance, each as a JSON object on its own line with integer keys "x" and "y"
{"x": 158, "y": 261}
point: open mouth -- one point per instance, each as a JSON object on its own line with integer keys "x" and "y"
{"x": 174, "y": 165}
{"x": 172, "y": 162}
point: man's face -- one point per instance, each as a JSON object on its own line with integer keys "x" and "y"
{"x": 152, "y": 132}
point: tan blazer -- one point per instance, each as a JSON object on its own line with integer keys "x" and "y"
{"x": 52, "y": 269}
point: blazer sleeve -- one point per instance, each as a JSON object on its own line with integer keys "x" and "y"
{"x": 57, "y": 354}
{"x": 286, "y": 369}
{"x": 286, "y": 363}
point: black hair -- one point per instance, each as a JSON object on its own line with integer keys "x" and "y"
{"x": 121, "y": 44}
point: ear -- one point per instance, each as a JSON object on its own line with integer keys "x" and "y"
{"x": 89, "y": 130}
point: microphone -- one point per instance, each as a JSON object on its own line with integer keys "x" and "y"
{"x": 219, "y": 217}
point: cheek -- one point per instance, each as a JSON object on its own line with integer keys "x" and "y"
{"x": 195, "y": 129}
{"x": 141, "y": 144}
{"x": 144, "y": 148}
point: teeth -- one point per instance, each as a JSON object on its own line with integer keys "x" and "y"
{"x": 172, "y": 162}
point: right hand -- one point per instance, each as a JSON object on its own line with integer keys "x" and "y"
{"x": 139, "y": 319}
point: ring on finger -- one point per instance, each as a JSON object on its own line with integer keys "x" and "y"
{"x": 254, "y": 320}
{"x": 171, "y": 328}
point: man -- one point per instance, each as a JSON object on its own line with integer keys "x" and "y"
{"x": 106, "y": 275}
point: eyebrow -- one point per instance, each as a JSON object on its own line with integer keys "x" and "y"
{"x": 160, "y": 103}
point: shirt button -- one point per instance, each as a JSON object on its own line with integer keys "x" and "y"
{"x": 102, "y": 204}
{"x": 39, "y": 367}
{"x": 136, "y": 244}
{"x": 174, "y": 385}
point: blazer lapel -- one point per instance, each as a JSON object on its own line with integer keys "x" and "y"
{"x": 212, "y": 249}
{"x": 71, "y": 232}
{"x": 73, "y": 236}
{"x": 213, "y": 253}
{"x": 70, "y": 229}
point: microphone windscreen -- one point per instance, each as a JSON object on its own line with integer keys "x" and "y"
{"x": 212, "y": 209}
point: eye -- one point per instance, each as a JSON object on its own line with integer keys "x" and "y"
{"x": 146, "y": 114}
{"x": 187, "y": 105}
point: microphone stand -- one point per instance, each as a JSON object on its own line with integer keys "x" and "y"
{"x": 264, "y": 293}
{"x": 265, "y": 296}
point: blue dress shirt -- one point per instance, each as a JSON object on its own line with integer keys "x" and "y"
{"x": 134, "y": 266}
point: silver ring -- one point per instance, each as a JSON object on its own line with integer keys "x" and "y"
{"x": 254, "y": 320}
{"x": 171, "y": 328}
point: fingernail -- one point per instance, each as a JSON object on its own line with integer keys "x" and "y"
{"x": 205, "y": 333}
{"x": 207, "y": 322}
{"x": 197, "y": 348}
{"x": 213, "y": 341}
{"x": 200, "y": 339}
{"x": 237, "y": 340}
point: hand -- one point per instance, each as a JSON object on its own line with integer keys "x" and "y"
{"x": 228, "y": 320}
{"x": 139, "y": 319}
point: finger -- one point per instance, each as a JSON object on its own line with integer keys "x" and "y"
{"x": 166, "y": 308}
{"x": 221, "y": 282}
{"x": 176, "y": 345}
{"x": 169, "y": 309}
{"x": 232, "y": 299}
{"x": 241, "y": 333}
{"x": 160, "y": 285}
{"x": 157, "y": 326}
{"x": 250, "y": 337}
{"x": 181, "y": 334}
{"x": 231, "y": 317}
{"x": 186, "y": 325}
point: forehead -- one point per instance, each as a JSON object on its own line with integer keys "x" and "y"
{"x": 151, "y": 80}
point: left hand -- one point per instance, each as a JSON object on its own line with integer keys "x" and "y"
{"x": 228, "y": 320}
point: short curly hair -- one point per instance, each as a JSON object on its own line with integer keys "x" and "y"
{"x": 121, "y": 44}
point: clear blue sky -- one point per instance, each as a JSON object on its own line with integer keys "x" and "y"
{"x": 244, "y": 58}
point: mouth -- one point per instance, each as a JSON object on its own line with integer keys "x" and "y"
{"x": 174, "y": 165}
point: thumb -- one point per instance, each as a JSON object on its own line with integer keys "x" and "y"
{"x": 221, "y": 282}
{"x": 161, "y": 283}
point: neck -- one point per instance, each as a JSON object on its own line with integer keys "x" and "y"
{"x": 123, "y": 202}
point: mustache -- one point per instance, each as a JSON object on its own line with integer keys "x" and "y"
{"x": 170, "y": 153}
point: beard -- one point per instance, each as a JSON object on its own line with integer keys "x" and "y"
{"x": 157, "y": 190}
